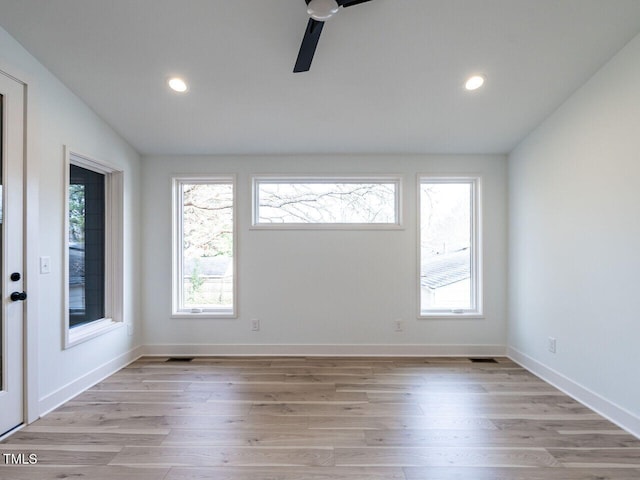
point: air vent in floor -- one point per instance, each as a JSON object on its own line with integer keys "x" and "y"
{"x": 180, "y": 359}
{"x": 483, "y": 360}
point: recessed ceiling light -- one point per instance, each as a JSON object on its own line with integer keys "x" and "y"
{"x": 177, "y": 84}
{"x": 474, "y": 82}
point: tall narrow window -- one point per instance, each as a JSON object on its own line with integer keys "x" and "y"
{"x": 204, "y": 247}
{"x": 449, "y": 247}
{"x": 87, "y": 231}
{"x": 93, "y": 252}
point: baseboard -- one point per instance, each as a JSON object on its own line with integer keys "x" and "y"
{"x": 70, "y": 390}
{"x": 618, "y": 415}
{"x": 326, "y": 350}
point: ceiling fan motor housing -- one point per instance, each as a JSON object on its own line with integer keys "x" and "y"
{"x": 322, "y": 10}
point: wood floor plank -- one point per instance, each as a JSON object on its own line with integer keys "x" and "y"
{"x": 289, "y": 473}
{"x": 479, "y": 438}
{"x": 52, "y": 454}
{"x": 229, "y": 456}
{"x": 272, "y": 436}
{"x": 510, "y": 473}
{"x": 102, "y": 396}
{"x": 134, "y": 408}
{"x": 548, "y": 424}
{"x": 398, "y": 422}
{"x": 209, "y": 377}
{"x": 517, "y": 387}
{"x": 597, "y": 457}
{"x": 436, "y": 399}
{"x": 263, "y": 387}
{"x": 444, "y": 456}
{"x": 117, "y": 419}
{"x": 358, "y": 379}
{"x": 318, "y": 396}
{"x": 329, "y": 410}
{"x": 93, "y": 472}
{"x": 61, "y": 437}
{"x": 139, "y": 385}
{"x": 506, "y": 410}
{"x": 410, "y": 388}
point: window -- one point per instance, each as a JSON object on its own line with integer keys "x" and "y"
{"x": 93, "y": 250}
{"x": 204, "y": 247}
{"x": 449, "y": 247}
{"x": 327, "y": 202}
{"x": 86, "y": 245}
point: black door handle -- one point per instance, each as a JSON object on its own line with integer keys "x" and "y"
{"x": 15, "y": 296}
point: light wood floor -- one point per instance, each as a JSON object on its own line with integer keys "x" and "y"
{"x": 323, "y": 419}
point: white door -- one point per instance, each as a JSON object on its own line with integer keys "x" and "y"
{"x": 11, "y": 253}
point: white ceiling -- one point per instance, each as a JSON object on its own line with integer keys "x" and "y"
{"x": 387, "y": 76}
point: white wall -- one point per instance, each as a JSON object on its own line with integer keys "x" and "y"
{"x": 56, "y": 117}
{"x": 328, "y": 291}
{"x": 574, "y": 242}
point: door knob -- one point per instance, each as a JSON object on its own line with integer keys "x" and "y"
{"x": 15, "y": 296}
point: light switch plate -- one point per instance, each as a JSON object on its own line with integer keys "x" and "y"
{"x": 45, "y": 265}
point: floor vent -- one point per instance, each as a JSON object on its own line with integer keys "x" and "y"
{"x": 483, "y": 360}
{"x": 180, "y": 359}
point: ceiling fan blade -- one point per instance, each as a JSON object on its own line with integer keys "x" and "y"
{"x": 351, "y": 3}
{"x": 308, "y": 47}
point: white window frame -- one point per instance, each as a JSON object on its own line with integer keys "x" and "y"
{"x": 257, "y": 180}
{"x": 176, "y": 236}
{"x": 476, "y": 246}
{"x": 114, "y": 271}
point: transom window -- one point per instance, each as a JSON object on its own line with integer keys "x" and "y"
{"x": 204, "y": 246}
{"x": 449, "y": 246}
{"x": 326, "y": 202}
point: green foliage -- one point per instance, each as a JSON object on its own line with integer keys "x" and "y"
{"x": 195, "y": 283}
{"x": 76, "y": 213}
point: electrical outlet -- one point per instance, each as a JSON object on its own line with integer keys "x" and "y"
{"x": 398, "y": 325}
{"x": 551, "y": 344}
{"x": 255, "y": 325}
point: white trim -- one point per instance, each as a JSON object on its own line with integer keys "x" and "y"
{"x": 32, "y": 238}
{"x": 85, "y": 332}
{"x": 32, "y": 253}
{"x": 114, "y": 267}
{"x": 176, "y": 254}
{"x": 396, "y": 179}
{"x": 205, "y": 315}
{"x": 452, "y": 315}
{"x": 11, "y": 432}
{"x": 67, "y": 392}
{"x": 13, "y": 195}
{"x": 615, "y": 413}
{"x": 477, "y": 246}
{"x": 328, "y": 350}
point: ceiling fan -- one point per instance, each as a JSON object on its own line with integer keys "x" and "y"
{"x": 319, "y": 11}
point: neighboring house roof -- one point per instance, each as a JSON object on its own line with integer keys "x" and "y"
{"x": 442, "y": 270}
{"x": 207, "y": 266}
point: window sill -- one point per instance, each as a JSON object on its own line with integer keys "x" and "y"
{"x": 326, "y": 226}
{"x": 450, "y": 315}
{"x": 91, "y": 330}
{"x": 204, "y": 315}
